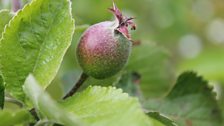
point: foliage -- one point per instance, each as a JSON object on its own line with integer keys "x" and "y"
{"x": 5, "y": 16}
{"x": 37, "y": 47}
{"x": 193, "y": 103}
{"x": 35, "y": 41}
{"x": 96, "y": 106}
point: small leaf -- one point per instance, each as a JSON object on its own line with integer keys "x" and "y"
{"x": 35, "y": 41}
{"x": 163, "y": 119}
{"x": 5, "y": 16}
{"x": 107, "y": 106}
{"x": 190, "y": 103}
{"x": 47, "y": 106}
{"x": 9, "y": 118}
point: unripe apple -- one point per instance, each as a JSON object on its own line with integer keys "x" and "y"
{"x": 104, "y": 48}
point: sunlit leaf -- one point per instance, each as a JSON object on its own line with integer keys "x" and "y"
{"x": 5, "y": 16}
{"x": 35, "y": 41}
{"x": 96, "y": 106}
{"x": 100, "y": 106}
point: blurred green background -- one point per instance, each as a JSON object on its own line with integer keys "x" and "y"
{"x": 175, "y": 35}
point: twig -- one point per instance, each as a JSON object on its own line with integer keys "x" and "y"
{"x": 81, "y": 80}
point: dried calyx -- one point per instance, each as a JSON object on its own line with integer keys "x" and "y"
{"x": 123, "y": 22}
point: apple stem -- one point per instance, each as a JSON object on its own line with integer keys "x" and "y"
{"x": 78, "y": 84}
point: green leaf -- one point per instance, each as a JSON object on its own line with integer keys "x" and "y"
{"x": 35, "y": 41}
{"x": 5, "y": 16}
{"x": 96, "y": 106}
{"x": 151, "y": 63}
{"x": 190, "y": 103}
{"x": 163, "y": 119}
{"x": 47, "y": 106}
{"x": 9, "y": 118}
{"x": 2, "y": 92}
{"x": 100, "y": 106}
